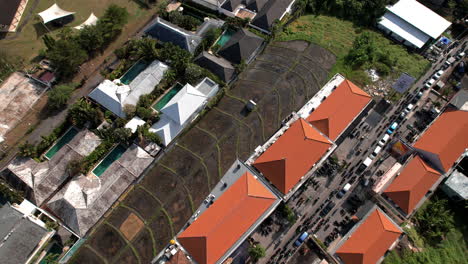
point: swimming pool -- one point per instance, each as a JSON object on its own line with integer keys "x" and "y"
{"x": 133, "y": 72}
{"x": 225, "y": 37}
{"x": 114, "y": 155}
{"x": 167, "y": 97}
{"x": 65, "y": 139}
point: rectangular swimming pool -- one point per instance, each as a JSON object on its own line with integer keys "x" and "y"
{"x": 225, "y": 37}
{"x": 114, "y": 155}
{"x": 65, "y": 139}
{"x": 133, "y": 72}
{"x": 167, "y": 97}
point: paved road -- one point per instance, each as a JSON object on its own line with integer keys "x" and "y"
{"x": 309, "y": 203}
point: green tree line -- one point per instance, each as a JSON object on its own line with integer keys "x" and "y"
{"x": 70, "y": 49}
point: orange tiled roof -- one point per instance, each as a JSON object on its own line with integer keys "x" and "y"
{"x": 447, "y": 137}
{"x": 334, "y": 114}
{"x": 412, "y": 184}
{"x": 228, "y": 218}
{"x": 292, "y": 155}
{"x": 370, "y": 240}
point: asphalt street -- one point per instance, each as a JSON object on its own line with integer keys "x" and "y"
{"x": 321, "y": 190}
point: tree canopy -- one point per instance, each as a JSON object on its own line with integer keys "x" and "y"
{"x": 256, "y": 252}
{"x": 59, "y": 95}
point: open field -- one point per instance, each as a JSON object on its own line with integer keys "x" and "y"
{"x": 280, "y": 81}
{"x": 27, "y": 42}
{"x": 338, "y": 35}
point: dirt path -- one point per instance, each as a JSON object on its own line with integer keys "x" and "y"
{"x": 45, "y": 122}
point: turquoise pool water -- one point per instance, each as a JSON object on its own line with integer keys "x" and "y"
{"x": 114, "y": 155}
{"x": 67, "y": 137}
{"x": 225, "y": 37}
{"x": 133, "y": 72}
{"x": 167, "y": 97}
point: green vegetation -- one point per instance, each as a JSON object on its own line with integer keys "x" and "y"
{"x": 8, "y": 65}
{"x": 70, "y": 50}
{"x": 451, "y": 250}
{"x": 287, "y": 213}
{"x": 27, "y": 43}
{"x": 10, "y": 195}
{"x": 184, "y": 21}
{"x": 60, "y": 94}
{"x": 51, "y": 225}
{"x": 440, "y": 233}
{"x": 256, "y": 252}
{"x": 29, "y": 150}
{"x": 338, "y": 36}
{"x": 83, "y": 112}
{"x": 434, "y": 220}
{"x": 211, "y": 36}
{"x": 363, "y": 12}
{"x": 144, "y": 134}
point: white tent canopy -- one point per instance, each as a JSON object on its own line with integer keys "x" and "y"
{"x": 91, "y": 21}
{"x": 54, "y": 12}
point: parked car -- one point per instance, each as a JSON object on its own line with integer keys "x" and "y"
{"x": 365, "y": 182}
{"x": 376, "y": 152}
{"x": 301, "y": 239}
{"x": 449, "y": 61}
{"x": 392, "y": 128}
{"x": 383, "y": 140}
{"x": 343, "y": 191}
{"x": 429, "y": 83}
{"x": 461, "y": 55}
{"x": 327, "y": 209}
{"x": 409, "y": 108}
{"x": 438, "y": 74}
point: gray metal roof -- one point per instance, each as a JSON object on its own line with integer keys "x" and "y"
{"x": 20, "y": 236}
{"x": 219, "y": 66}
{"x": 85, "y": 199}
{"x": 240, "y": 46}
{"x": 460, "y": 100}
{"x": 45, "y": 177}
{"x": 458, "y": 183}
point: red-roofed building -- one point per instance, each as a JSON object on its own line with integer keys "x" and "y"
{"x": 341, "y": 107}
{"x": 368, "y": 242}
{"x": 293, "y": 155}
{"x": 445, "y": 140}
{"x": 228, "y": 221}
{"x": 411, "y": 185}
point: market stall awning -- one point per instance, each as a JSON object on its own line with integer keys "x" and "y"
{"x": 91, "y": 21}
{"x": 54, "y": 12}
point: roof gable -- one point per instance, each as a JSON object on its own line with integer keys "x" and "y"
{"x": 181, "y": 107}
{"x": 412, "y": 184}
{"x": 364, "y": 247}
{"x": 240, "y": 46}
{"x": 446, "y": 137}
{"x": 227, "y": 219}
{"x": 292, "y": 155}
{"x": 339, "y": 109}
{"x": 219, "y": 66}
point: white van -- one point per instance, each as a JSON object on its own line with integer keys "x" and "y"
{"x": 367, "y": 162}
{"x": 344, "y": 190}
{"x": 384, "y": 140}
{"x": 376, "y": 152}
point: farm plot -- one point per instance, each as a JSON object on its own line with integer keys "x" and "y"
{"x": 185, "y": 175}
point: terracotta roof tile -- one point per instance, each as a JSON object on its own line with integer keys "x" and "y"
{"x": 412, "y": 184}
{"x": 292, "y": 155}
{"x": 228, "y": 218}
{"x": 365, "y": 246}
{"x": 334, "y": 114}
{"x": 446, "y": 137}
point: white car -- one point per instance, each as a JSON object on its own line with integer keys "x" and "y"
{"x": 384, "y": 140}
{"x": 429, "y": 83}
{"x": 409, "y": 108}
{"x": 376, "y": 152}
{"x": 461, "y": 55}
{"x": 438, "y": 74}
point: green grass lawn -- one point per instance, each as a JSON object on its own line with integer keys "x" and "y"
{"x": 28, "y": 43}
{"x": 338, "y": 35}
